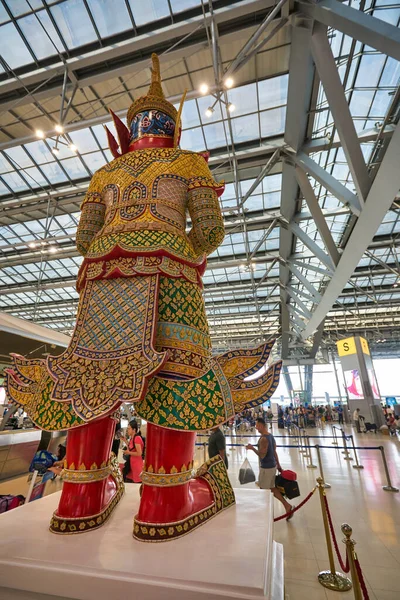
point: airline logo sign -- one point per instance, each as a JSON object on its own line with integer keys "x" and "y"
{"x": 348, "y": 347}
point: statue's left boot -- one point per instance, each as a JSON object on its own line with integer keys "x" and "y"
{"x": 174, "y": 500}
{"x": 92, "y": 481}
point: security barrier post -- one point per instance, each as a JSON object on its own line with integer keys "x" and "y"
{"x": 352, "y": 557}
{"x": 331, "y": 579}
{"x": 205, "y": 451}
{"x": 357, "y": 465}
{"x": 335, "y": 442}
{"x": 324, "y": 484}
{"x": 389, "y": 487}
{"x": 310, "y": 462}
{"x": 304, "y": 435}
{"x": 345, "y": 451}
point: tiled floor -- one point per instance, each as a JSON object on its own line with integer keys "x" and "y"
{"x": 356, "y": 497}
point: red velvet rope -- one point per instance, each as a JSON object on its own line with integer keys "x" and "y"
{"x": 344, "y": 567}
{"x": 296, "y": 508}
{"x": 361, "y": 579}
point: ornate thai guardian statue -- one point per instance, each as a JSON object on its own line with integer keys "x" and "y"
{"x": 142, "y": 336}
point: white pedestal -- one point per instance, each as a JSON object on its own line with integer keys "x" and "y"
{"x": 231, "y": 556}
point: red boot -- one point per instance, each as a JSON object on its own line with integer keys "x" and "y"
{"x": 173, "y": 502}
{"x": 93, "y": 483}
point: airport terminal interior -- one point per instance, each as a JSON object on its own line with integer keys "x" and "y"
{"x": 199, "y": 299}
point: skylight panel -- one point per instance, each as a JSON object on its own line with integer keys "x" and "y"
{"x": 110, "y": 17}
{"x": 150, "y": 11}
{"x": 74, "y": 23}
{"x": 12, "y": 48}
{"x": 35, "y": 34}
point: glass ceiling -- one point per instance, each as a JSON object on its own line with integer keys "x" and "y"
{"x": 37, "y": 242}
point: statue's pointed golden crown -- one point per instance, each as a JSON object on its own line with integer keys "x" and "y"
{"x": 154, "y": 99}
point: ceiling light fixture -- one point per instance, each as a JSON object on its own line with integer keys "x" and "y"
{"x": 204, "y": 89}
{"x": 73, "y": 148}
{"x": 229, "y": 82}
{"x": 231, "y": 107}
{"x": 59, "y": 128}
{"x": 32, "y": 245}
{"x": 40, "y": 134}
{"x": 53, "y": 249}
{"x": 209, "y": 111}
{"x": 55, "y": 150}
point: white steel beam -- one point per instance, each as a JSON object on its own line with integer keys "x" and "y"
{"x": 299, "y": 303}
{"x": 312, "y": 246}
{"x": 299, "y": 275}
{"x": 367, "y": 29}
{"x": 330, "y": 79}
{"x": 384, "y": 188}
{"x": 341, "y": 192}
{"x": 317, "y": 214}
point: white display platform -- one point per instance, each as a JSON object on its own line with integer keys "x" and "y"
{"x": 231, "y": 556}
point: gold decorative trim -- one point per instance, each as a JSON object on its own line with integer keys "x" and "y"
{"x": 85, "y": 476}
{"x": 165, "y": 479}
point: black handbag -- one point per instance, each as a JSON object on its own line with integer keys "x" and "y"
{"x": 246, "y": 473}
{"x": 287, "y": 488}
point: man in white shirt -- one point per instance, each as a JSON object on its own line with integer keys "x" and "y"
{"x": 356, "y": 419}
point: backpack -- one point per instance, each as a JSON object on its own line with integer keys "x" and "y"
{"x": 8, "y": 502}
{"x": 42, "y": 461}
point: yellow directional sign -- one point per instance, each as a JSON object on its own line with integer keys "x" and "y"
{"x": 364, "y": 345}
{"x": 347, "y": 347}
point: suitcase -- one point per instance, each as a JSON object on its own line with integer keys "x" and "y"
{"x": 287, "y": 488}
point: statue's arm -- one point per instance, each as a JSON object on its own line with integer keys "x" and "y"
{"x": 92, "y": 216}
{"x": 207, "y": 231}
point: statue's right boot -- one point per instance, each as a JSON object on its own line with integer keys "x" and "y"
{"x": 174, "y": 500}
{"x": 92, "y": 481}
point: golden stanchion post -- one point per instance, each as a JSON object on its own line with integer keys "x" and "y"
{"x": 332, "y": 579}
{"x": 205, "y": 451}
{"x": 352, "y": 556}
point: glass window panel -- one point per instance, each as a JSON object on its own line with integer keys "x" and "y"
{"x": 110, "y": 17}
{"x": 272, "y": 183}
{"x": 245, "y": 128}
{"x": 74, "y": 168}
{"x": 12, "y": 48}
{"x": 5, "y": 165}
{"x": 39, "y": 152}
{"x": 192, "y": 139}
{"x": 244, "y": 98}
{"x": 180, "y": 5}
{"x": 4, "y": 191}
{"x": 37, "y": 38}
{"x": 389, "y": 15}
{"x": 273, "y": 92}
{"x": 84, "y": 141}
{"x": 391, "y": 73}
{"x": 380, "y": 104}
{"x": 15, "y": 182}
{"x": 21, "y": 7}
{"x": 190, "y": 114}
{"x": 272, "y": 200}
{"x": 147, "y": 12}
{"x": 19, "y": 156}
{"x": 94, "y": 161}
{"x": 101, "y": 135}
{"x": 3, "y": 14}
{"x": 272, "y": 122}
{"x": 370, "y": 70}
{"x": 74, "y": 23}
{"x": 215, "y": 135}
{"x": 361, "y": 102}
{"x": 34, "y": 177}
